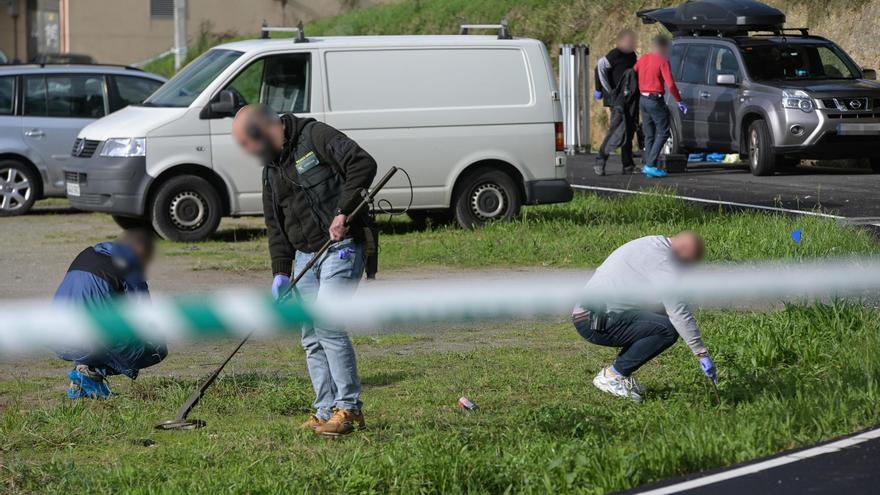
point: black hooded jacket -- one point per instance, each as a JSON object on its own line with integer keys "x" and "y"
{"x": 289, "y": 208}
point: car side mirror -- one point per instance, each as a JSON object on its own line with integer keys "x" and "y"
{"x": 725, "y": 80}
{"x": 225, "y": 104}
{"x": 869, "y": 74}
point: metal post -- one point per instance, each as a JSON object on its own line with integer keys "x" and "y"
{"x": 574, "y": 95}
{"x": 179, "y": 33}
{"x": 584, "y": 143}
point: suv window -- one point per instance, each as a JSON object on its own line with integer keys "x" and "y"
{"x": 279, "y": 81}
{"x": 780, "y": 61}
{"x": 723, "y": 62}
{"x": 77, "y": 95}
{"x": 675, "y": 60}
{"x": 694, "y": 67}
{"x": 132, "y": 90}
{"x": 7, "y": 95}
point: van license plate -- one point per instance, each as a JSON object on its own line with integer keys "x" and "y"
{"x": 72, "y": 189}
{"x": 858, "y": 129}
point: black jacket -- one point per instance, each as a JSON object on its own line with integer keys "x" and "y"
{"x": 610, "y": 71}
{"x": 289, "y": 209}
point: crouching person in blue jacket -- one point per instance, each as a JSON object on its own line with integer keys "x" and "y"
{"x": 98, "y": 275}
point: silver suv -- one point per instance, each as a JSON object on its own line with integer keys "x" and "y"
{"x": 776, "y": 99}
{"x": 42, "y": 109}
{"x": 773, "y": 95}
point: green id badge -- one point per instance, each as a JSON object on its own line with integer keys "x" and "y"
{"x": 307, "y": 163}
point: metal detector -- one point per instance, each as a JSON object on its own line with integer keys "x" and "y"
{"x": 181, "y": 422}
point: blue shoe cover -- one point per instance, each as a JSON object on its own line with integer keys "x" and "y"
{"x": 86, "y": 387}
{"x": 654, "y": 172}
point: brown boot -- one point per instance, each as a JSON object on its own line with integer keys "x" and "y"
{"x": 342, "y": 422}
{"x": 313, "y": 422}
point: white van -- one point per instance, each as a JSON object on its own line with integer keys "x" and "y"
{"x": 474, "y": 120}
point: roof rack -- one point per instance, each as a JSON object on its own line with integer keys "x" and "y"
{"x": 784, "y": 32}
{"x": 503, "y": 31}
{"x": 300, "y": 33}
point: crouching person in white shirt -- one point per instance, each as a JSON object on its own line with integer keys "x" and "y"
{"x": 642, "y": 333}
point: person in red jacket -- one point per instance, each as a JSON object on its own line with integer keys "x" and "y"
{"x": 655, "y": 79}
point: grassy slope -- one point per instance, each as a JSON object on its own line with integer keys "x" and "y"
{"x": 579, "y": 234}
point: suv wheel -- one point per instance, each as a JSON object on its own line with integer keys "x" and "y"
{"x": 673, "y": 143}
{"x": 185, "y": 209}
{"x": 18, "y": 188}
{"x": 762, "y": 161}
{"x": 486, "y": 195}
{"x": 875, "y": 164}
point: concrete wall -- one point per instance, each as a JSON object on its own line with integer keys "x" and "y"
{"x": 7, "y": 31}
{"x": 121, "y": 31}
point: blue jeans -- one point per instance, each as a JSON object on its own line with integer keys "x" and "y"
{"x": 123, "y": 358}
{"x": 655, "y": 124}
{"x": 640, "y": 335}
{"x": 329, "y": 353}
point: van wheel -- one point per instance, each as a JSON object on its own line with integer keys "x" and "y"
{"x": 875, "y": 164}
{"x": 126, "y": 223}
{"x": 186, "y": 209}
{"x": 762, "y": 161}
{"x": 18, "y": 188}
{"x": 484, "y": 196}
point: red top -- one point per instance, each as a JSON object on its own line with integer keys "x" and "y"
{"x": 653, "y": 72}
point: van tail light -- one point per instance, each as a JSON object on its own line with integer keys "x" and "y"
{"x": 560, "y": 136}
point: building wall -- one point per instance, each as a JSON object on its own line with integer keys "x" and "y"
{"x": 7, "y": 31}
{"x": 122, "y": 31}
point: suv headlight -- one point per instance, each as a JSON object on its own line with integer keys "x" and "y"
{"x": 124, "y": 147}
{"x": 798, "y": 99}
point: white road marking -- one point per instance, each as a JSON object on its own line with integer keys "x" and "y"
{"x": 714, "y": 202}
{"x": 768, "y": 464}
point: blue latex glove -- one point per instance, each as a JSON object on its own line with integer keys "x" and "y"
{"x": 709, "y": 369}
{"x": 279, "y": 285}
{"x": 597, "y": 95}
{"x": 683, "y": 107}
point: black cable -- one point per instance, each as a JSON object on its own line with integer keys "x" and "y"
{"x": 390, "y": 206}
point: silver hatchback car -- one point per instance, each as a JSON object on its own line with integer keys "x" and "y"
{"x": 42, "y": 109}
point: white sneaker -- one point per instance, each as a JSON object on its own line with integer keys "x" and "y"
{"x": 634, "y": 385}
{"x": 619, "y": 386}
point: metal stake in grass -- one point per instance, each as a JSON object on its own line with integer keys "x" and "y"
{"x": 717, "y": 395}
{"x": 181, "y": 422}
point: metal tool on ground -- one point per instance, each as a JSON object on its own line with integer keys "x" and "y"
{"x": 182, "y": 422}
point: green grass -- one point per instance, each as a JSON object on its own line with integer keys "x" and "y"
{"x": 578, "y": 234}
{"x": 788, "y": 378}
{"x": 552, "y": 21}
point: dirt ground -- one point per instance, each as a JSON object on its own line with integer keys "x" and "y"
{"x": 36, "y": 250}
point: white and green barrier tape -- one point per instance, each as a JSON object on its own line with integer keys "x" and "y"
{"x": 30, "y": 326}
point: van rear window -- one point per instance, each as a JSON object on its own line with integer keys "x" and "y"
{"x": 397, "y": 79}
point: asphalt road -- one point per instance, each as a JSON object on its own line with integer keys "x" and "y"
{"x": 848, "y": 193}
{"x": 847, "y": 466}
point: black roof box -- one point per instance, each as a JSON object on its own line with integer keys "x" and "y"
{"x": 716, "y": 16}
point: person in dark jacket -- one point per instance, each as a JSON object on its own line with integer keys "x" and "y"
{"x": 312, "y": 180}
{"x": 609, "y": 73}
{"x": 623, "y": 124}
{"x": 98, "y": 275}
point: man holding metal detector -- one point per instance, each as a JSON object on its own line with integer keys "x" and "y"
{"x": 313, "y": 179}
{"x": 642, "y": 331}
